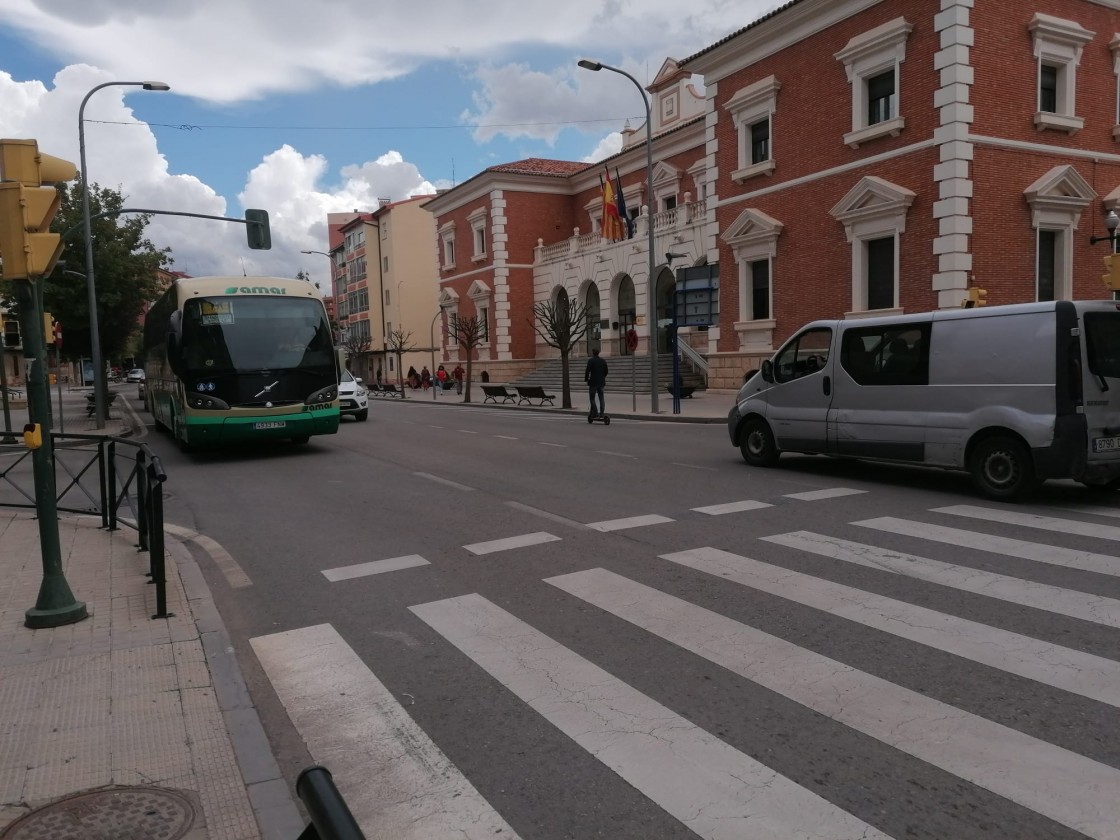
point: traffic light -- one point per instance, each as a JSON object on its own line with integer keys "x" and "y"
{"x": 27, "y": 246}
{"x": 1112, "y": 266}
{"x": 976, "y": 297}
{"x": 256, "y": 229}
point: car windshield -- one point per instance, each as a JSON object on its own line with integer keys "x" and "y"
{"x": 347, "y": 376}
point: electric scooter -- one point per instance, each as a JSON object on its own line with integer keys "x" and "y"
{"x": 605, "y": 419}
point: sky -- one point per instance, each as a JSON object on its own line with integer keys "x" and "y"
{"x": 305, "y": 109}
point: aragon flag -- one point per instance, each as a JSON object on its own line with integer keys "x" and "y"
{"x": 627, "y": 222}
{"x": 613, "y": 229}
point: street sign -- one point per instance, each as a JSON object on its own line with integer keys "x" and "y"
{"x": 696, "y": 298}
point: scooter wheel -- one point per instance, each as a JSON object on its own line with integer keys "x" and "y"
{"x": 590, "y": 419}
{"x": 606, "y": 420}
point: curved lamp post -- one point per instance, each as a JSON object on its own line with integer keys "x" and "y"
{"x": 94, "y": 336}
{"x": 651, "y": 293}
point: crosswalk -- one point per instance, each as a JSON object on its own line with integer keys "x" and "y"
{"x": 1014, "y": 779}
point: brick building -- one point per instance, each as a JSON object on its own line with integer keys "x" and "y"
{"x": 845, "y": 157}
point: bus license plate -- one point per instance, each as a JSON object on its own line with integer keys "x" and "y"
{"x": 1108, "y": 444}
{"x": 271, "y": 424}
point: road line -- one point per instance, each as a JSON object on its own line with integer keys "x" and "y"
{"x": 694, "y": 466}
{"x": 615, "y": 454}
{"x": 1093, "y": 510}
{"x": 1095, "y": 608}
{"x": 507, "y": 437}
{"x": 233, "y": 573}
{"x": 1064, "y": 786}
{"x": 521, "y": 541}
{"x": 732, "y": 507}
{"x": 829, "y": 493}
{"x": 396, "y": 781}
{"x": 445, "y": 481}
{"x": 376, "y": 567}
{"x": 631, "y": 522}
{"x": 1033, "y": 520}
{"x": 1069, "y": 670}
{"x": 1054, "y": 555}
{"x": 558, "y": 445}
{"x": 555, "y": 517}
{"x": 715, "y": 790}
{"x": 467, "y": 431}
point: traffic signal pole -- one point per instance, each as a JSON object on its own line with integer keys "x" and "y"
{"x": 56, "y": 604}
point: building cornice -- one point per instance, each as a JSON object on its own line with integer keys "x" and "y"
{"x": 1058, "y": 151}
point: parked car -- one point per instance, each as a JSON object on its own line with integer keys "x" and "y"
{"x": 135, "y": 375}
{"x": 353, "y": 396}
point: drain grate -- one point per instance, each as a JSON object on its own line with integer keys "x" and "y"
{"x": 124, "y": 813}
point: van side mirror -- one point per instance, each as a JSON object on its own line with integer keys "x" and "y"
{"x": 768, "y": 371}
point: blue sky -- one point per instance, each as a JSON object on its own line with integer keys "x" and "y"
{"x": 309, "y": 108}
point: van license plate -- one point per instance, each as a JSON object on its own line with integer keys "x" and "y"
{"x": 1108, "y": 444}
{"x": 271, "y": 424}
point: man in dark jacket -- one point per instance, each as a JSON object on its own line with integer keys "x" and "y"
{"x": 595, "y": 375}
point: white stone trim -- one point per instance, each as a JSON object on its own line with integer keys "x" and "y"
{"x": 867, "y": 55}
{"x": 1057, "y": 200}
{"x": 750, "y": 105}
{"x": 1059, "y": 43}
{"x": 753, "y": 236}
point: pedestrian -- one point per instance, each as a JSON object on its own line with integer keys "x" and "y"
{"x": 425, "y": 378}
{"x": 378, "y": 380}
{"x": 413, "y": 378}
{"x": 595, "y": 375}
{"x": 442, "y": 377}
{"x": 458, "y": 373}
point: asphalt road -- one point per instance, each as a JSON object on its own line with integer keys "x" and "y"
{"x": 493, "y": 623}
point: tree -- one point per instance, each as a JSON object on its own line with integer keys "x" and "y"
{"x": 467, "y": 333}
{"x": 127, "y": 275}
{"x": 399, "y": 342}
{"x": 561, "y": 323}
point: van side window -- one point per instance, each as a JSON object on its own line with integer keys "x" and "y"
{"x": 804, "y": 355}
{"x": 887, "y": 355}
{"x": 1102, "y": 341}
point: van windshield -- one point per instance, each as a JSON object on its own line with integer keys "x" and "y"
{"x": 1102, "y": 343}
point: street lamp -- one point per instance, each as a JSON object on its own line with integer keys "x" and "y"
{"x": 596, "y": 66}
{"x": 1112, "y": 222}
{"x": 94, "y": 337}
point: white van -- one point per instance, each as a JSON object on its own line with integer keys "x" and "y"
{"x": 1012, "y": 394}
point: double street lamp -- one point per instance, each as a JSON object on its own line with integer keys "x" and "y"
{"x": 651, "y": 292}
{"x": 99, "y": 395}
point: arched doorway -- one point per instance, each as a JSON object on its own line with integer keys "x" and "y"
{"x": 666, "y": 284}
{"x": 593, "y": 335}
{"x": 627, "y": 312}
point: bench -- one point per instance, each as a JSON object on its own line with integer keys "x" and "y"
{"x": 528, "y": 393}
{"x": 686, "y": 391}
{"x": 388, "y": 389}
{"x": 91, "y": 402}
{"x": 496, "y": 393}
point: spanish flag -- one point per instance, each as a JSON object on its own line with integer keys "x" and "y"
{"x": 613, "y": 226}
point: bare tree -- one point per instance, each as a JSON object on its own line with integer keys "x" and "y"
{"x": 561, "y": 323}
{"x": 400, "y": 342}
{"x": 467, "y": 333}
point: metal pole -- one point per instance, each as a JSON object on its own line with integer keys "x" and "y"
{"x": 432, "y": 339}
{"x": 94, "y": 338}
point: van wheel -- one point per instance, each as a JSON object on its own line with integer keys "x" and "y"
{"x": 1001, "y": 468}
{"x": 757, "y": 443}
{"x": 1104, "y": 486}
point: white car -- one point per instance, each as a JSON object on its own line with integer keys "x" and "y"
{"x": 353, "y": 396}
{"x": 135, "y": 375}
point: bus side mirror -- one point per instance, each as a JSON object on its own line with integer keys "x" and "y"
{"x": 768, "y": 370}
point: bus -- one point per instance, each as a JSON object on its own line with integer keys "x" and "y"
{"x": 234, "y": 359}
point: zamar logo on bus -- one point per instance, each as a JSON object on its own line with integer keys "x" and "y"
{"x": 256, "y": 290}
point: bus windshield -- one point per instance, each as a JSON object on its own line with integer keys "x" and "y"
{"x": 251, "y": 333}
{"x": 1102, "y": 341}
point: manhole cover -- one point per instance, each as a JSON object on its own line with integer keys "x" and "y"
{"x": 112, "y": 814}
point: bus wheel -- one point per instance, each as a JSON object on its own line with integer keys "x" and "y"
{"x": 184, "y": 447}
{"x": 757, "y": 443}
{"x": 1001, "y": 467}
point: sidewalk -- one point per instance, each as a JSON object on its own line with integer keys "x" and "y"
{"x": 120, "y": 725}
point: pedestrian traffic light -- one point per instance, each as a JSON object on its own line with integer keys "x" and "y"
{"x": 256, "y": 229}
{"x": 1112, "y": 266}
{"x": 28, "y": 204}
{"x": 976, "y": 297}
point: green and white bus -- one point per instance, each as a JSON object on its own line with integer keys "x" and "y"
{"x": 232, "y": 359}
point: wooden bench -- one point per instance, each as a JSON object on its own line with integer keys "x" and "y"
{"x": 528, "y": 393}
{"x": 91, "y": 402}
{"x": 497, "y": 393}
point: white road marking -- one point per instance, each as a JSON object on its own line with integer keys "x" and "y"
{"x": 508, "y": 543}
{"x": 557, "y": 445}
{"x": 732, "y": 507}
{"x": 1033, "y": 520}
{"x": 397, "y": 782}
{"x": 631, "y": 522}
{"x": 694, "y": 466}
{"x": 1054, "y": 555}
{"x": 1094, "y": 510}
{"x": 467, "y": 431}
{"x": 554, "y": 517}
{"x": 507, "y": 437}
{"x": 446, "y": 481}
{"x": 715, "y": 790}
{"x": 829, "y": 493}
{"x": 1064, "y": 786}
{"x": 1095, "y": 608}
{"x": 615, "y": 454}
{"x": 1070, "y": 670}
{"x": 376, "y": 567}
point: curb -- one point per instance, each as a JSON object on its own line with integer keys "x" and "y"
{"x": 650, "y": 418}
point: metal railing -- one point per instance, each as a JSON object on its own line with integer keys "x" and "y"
{"x": 118, "y": 479}
{"x": 330, "y": 816}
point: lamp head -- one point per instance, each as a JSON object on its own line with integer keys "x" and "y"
{"x": 1112, "y": 221}
{"x": 589, "y": 64}
{"x": 670, "y": 256}
{"x": 156, "y": 86}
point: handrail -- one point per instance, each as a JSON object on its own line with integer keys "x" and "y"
{"x": 689, "y": 352}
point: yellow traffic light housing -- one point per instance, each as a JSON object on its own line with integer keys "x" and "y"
{"x": 1112, "y": 266}
{"x": 27, "y": 207}
{"x": 976, "y": 297}
{"x": 32, "y": 435}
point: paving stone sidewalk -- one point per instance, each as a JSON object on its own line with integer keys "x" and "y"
{"x": 120, "y": 699}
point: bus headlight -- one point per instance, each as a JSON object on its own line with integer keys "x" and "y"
{"x": 323, "y": 395}
{"x": 207, "y": 403}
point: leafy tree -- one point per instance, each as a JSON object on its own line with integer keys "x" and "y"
{"x": 467, "y": 333}
{"x": 399, "y": 342}
{"x": 561, "y": 323}
{"x": 127, "y": 273}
